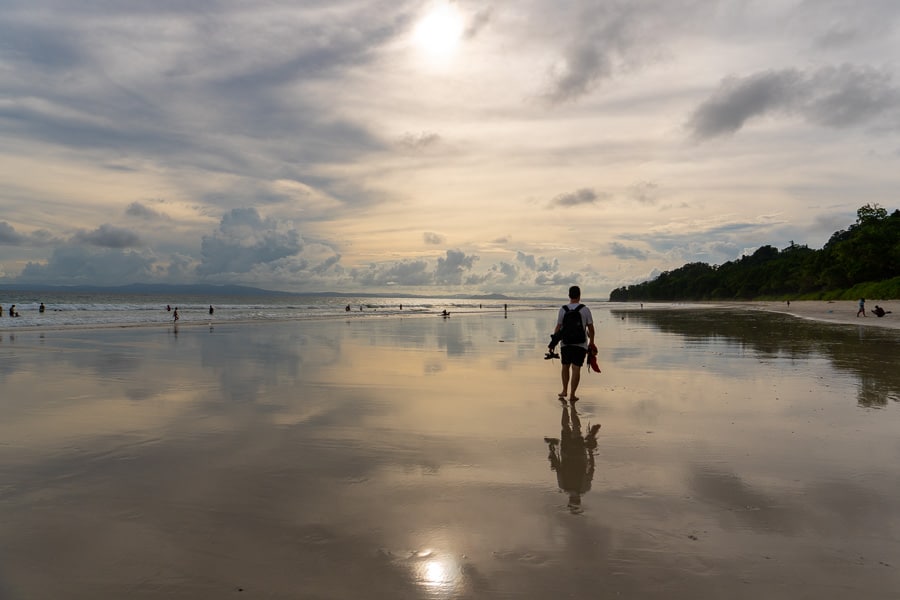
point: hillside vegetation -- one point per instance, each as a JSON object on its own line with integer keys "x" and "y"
{"x": 862, "y": 261}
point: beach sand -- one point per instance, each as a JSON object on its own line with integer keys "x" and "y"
{"x": 742, "y": 455}
{"x": 840, "y": 311}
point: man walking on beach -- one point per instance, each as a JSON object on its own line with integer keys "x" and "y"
{"x": 575, "y": 327}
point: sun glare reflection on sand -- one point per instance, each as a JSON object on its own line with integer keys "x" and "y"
{"x": 438, "y": 574}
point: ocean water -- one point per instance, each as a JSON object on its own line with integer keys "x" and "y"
{"x": 81, "y": 310}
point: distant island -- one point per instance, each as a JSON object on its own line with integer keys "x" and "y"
{"x": 862, "y": 261}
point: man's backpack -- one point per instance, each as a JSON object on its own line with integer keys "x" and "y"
{"x": 572, "y": 326}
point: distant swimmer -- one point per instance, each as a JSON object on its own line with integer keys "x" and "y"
{"x": 168, "y": 308}
{"x": 347, "y": 308}
{"x": 445, "y": 313}
{"x": 12, "y": 310}
{"x": 42, "y": 308}
{"x": 176, "y": 315}
{"x": 211, "y": 309}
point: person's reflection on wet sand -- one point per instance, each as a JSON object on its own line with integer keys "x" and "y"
{"x": 572, "y": 457}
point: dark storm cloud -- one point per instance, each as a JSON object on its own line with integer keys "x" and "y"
{"x": 834, "y": 97}
{"x": 108, "y": 236}
{"x": 244, "y": 241}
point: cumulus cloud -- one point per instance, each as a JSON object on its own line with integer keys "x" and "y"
{"x": 403, "y": 273}
{"x": 711, "y": 243}
{"x": 833, "y": 97}
{"x": 505, "y": 272}
{"x": 557, "y": 279}
{"x": 543, "y": 265}
{"x": 627, "y": 252}
{"x": 454, "y": 268}
{"x": 108, "y": 236}
{"x": 245, "y": 240}
{"x": 451, "y": 267}
{"x": 76, "y": 264}
{"x": 433, "y": 238}
{"x": 180, "y": 269}
{"x": 9, "y": 236}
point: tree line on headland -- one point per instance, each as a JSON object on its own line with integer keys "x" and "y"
{"x": 862, "y": 261}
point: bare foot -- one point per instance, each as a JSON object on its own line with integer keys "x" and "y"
{"x": 562, "y": 395}
{"x": 573, "y": 399}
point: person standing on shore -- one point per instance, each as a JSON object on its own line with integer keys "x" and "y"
{"x": 862, "y": 307}
{"x": 175, "y": 315}
{"x": 575, "y": 328}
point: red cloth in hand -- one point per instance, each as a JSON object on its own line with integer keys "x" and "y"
{"x": 592, "y": 360}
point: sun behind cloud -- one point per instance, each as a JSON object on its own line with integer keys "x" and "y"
{"x": 438, "y": 33}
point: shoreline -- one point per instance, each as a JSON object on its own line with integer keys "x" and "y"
{"x": 833, "y": 312}
{"x": 842, "y": 312}
{"x": 836, "y": 312}
{"x": 355, "y": 317}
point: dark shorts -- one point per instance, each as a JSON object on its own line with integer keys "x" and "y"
{"x": 572, "y": 355}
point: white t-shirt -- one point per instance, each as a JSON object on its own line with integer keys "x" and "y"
{"x": 586, "y": 318}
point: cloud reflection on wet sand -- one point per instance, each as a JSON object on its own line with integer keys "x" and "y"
{"x": 744, "y": 457}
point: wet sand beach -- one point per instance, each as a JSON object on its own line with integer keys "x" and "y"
{"x": 837, "y": 311}
{"x": 743, "y": 454}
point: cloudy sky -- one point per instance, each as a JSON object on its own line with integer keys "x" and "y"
{"x": 429, "y": 147}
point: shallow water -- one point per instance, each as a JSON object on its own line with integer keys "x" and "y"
{"x": 741, "y": 455}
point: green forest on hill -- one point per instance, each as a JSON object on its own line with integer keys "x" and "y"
{"x": 862, "y": 261}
